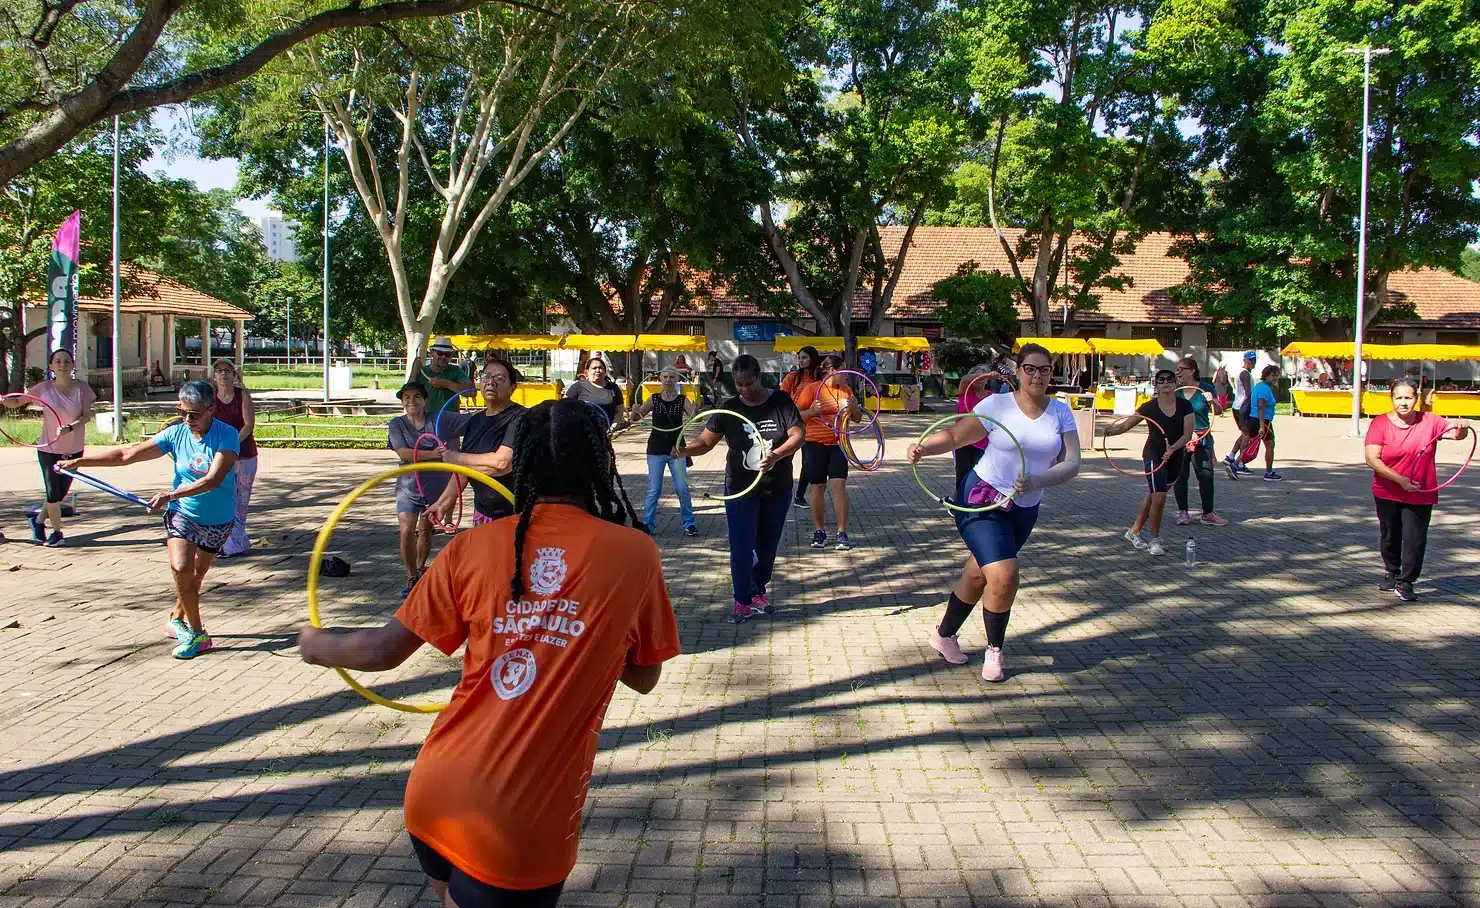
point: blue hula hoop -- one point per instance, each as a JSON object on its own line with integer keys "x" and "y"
{"x": 103, "y": 486}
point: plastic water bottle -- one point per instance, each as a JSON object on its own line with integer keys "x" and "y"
{"x": 1192, "y": 553}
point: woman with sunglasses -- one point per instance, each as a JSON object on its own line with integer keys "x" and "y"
{"x": 200, "y": 509}
{"x": 485, "y": 441}
{"x": 1161, "y": 456}
{"x": 1044, "y": 430}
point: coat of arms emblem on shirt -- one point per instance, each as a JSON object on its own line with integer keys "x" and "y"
{"x": 547, "y": 572}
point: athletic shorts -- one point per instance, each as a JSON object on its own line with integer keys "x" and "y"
{"x": 468, "y": 892}
{"x": 993, "y": 536}
{"x": 1162, "y": 479}
{"x": 1241, "y": 418}
{"x": 822, "y": 462}
{"x": 53, "y": 483}
{"x": 206, "y": 537}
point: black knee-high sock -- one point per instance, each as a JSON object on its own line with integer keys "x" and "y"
{"x": 957, "y": 611}
{"x": 996, "y": 627}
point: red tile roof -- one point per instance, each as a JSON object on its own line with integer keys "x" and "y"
{"x": 158, "y": 295}
{"x": 1443, "y": 299}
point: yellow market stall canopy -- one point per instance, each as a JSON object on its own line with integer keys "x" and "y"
{"x": 695, "y": 343}
{"x": 1343, "y": 350}
{"x": 1104, "y": 346}
{"x": 795, "y": 342}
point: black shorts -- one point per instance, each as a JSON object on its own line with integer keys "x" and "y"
{"x": 55, "y": 484}
{"x": 468, "y": 892}
{"x": 1241, "y": 419}
{"x": 822, "y": 462}
{"x": 1162, "y": 479}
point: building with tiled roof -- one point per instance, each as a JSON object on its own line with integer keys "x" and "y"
{"x": 149, "y": 312}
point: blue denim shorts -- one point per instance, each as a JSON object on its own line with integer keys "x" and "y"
{"x": 993, "y": 536}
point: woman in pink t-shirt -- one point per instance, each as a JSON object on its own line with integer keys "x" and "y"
{"x": 1400, "y": 450}
{"x": 72, "y": 401}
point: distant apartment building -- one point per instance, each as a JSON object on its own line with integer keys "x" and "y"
{"x": 278, "y": 235}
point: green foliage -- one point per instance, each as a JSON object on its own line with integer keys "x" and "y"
{"x": 1275, "y": 250}
{"x": 1469, "y": 265}
{"x": 977, "y": 304}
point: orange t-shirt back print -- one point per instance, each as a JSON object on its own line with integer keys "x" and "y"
{"x": 499, "y": 785}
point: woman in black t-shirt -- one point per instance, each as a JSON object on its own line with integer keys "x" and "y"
{"x": 669, "y": 409}
{"x": 487, "y": 443}
{"x": 1162, "y": 461}
{"x": 597, "y": 389}
{"x": 755, "y": 521}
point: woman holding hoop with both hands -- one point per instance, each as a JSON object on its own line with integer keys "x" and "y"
{"x": 200, "y": 509}
{"x": 1162, "y": 461}
{"x": 484, "y": 441}
{"x": 756, "y": 520}
{"x": 1400, "y": 448}
{"x": 69, "y": 401}
{"x": 669, "y": 409}
{"x": 1049, "y": 443}
{"x": 824, "y": 466}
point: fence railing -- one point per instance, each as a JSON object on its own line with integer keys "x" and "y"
{"x": 298, "y": 361}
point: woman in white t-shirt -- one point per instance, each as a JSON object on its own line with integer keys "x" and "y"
{"x": 1050, "y": 444}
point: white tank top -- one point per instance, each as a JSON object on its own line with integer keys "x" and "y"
{"x": 1240, "y": 395}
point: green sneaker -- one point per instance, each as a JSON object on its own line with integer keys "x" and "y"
{"x": 179, "y": 630}
{"x": 197, "y": 644}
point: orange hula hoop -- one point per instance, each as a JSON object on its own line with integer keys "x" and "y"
{"x": 1105, "y": 449}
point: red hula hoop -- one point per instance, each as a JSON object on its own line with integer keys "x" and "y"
{"x": 1199, "y": 434}
{"x": 879, "y": 398}
{"x": 1105, "y": 449}
{"x": 1474, "y": 439}
{"x": 431, "y": 514}
{"x": 54, "y": 415}
{"x": 845, "y": 441}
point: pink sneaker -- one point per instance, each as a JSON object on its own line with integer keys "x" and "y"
{"x": 947, "y": 647}
{"x": 1214, "y": 520}
{"x": 739, "y": 614}
{"x": 1183, "y": 518}
{"x": 992, "y": 668}
{"x": 761, "y": 604}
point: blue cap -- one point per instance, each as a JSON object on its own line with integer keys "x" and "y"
{"x": 1251, "y": 355}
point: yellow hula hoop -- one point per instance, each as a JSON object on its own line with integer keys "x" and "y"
{"x": 321, "y": 544}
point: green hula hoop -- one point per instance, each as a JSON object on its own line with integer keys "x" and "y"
{"x": 743, "y": 418}
{"x": 1022, "y": 464}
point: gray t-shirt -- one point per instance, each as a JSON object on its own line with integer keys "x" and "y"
{"x": 404, "y": 435}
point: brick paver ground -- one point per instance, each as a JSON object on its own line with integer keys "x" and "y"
{"x": 1264, "y": 729}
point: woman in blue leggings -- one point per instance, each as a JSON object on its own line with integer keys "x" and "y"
{"x": 755, "y": 520}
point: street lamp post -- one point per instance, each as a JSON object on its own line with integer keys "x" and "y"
{"x": 326, "y": 260}
{"x": 289, "y": 301}
{"x": 1367, "y": 54}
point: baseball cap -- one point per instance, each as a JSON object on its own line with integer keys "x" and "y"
{"x": 443, "y": 344}
{"x": 1251, "y": 355}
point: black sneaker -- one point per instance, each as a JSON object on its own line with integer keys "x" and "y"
{"x": 1232, "y": 470}
{"x": 1405, "y": 592}
{"x": 1387, "y": 582}
{"x": 691, "y": 530}
{"x": 819, "y": 539}
{"x": 799, "y": 503}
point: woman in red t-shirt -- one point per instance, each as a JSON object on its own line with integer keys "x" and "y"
{"x": 1400, "y": 449}
{"x": 555, "y": 606}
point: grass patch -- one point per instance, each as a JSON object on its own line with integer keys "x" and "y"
{"x": 295, "y": 431}
{"x": 282, "y": 378}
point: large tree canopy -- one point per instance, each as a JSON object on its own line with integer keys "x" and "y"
{"x": 66, "y": 65}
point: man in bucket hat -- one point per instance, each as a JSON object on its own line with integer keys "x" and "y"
{"x": 443, "y": 377}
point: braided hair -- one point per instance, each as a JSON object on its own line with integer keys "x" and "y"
{"x": 563, "y": 451}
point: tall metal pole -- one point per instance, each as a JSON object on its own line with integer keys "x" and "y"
{"x": 117, "y": 306}
{"x": 326, "y": 260}
{"x": 289, "y": 301}
{"x": 1367, "y": 53}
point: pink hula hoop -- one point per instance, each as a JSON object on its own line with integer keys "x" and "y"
{"x": 1474, "y": 439}
{"x": 1105, "y": 449}
{"x": 54, "y": 415}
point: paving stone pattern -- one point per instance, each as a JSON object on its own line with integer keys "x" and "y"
{"x": 1265, "y": 729}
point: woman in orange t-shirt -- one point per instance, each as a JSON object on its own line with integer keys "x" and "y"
{"x": 823, "y": 463}
{"x": 807, "y": 373}
{"x": 555, "y": 607}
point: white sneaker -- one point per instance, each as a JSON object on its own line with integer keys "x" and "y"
{"x": 1156, "y": 547}
{"x": 1135, "y": 539}
{"x": 1183, "y": 518}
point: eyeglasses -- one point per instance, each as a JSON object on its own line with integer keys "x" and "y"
{"x": 489, "y": 379}
{"x": 1044, "y": 371}
{"x": 191, "y": 415}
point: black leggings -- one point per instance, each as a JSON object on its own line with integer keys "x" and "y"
{"x": 468, "y": 892}
{"x": 55, "y": 484}
{"x": 1200, "y": 462}
{"x": 1404, "y": 536}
